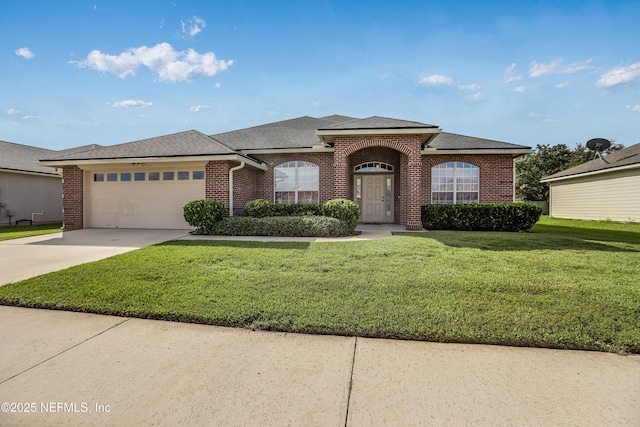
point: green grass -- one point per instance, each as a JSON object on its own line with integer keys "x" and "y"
{"x": 566, "y": 284}
{"x": 16, "y": 232}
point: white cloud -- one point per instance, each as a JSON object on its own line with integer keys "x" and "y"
{"x": 171, "y": 65}
{"x": 13, "y": 111}
{"x": 519, "y": 89}
{"x": 562, "y": 85}
{"x": 556, "y": 67}
{"x": 435, "y": 80}
{"x": 620, "y": 76}
{"x": 476, "y": 97}
{"x": 197, "y": 108}
{"x": 196, "y": 25}
{"x": 439, "y": 79}
{"x": 25, "y": 52}
{"x": 217, "y": 85}
{"x": 533, "y": 115}
{"x": 508, "y": 78}
{"x": 31, "y": 117}
{"x": 634, "y": 107}
{"x": 131, "y": 103}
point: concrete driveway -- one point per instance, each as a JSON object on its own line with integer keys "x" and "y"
{"x": 32, "y": 256}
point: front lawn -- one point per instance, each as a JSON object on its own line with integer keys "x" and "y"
{"x": 566, "y": 284}
{"x": 18, "y": 231}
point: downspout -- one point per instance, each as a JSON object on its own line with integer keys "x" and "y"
{"x": 231, "y": 171}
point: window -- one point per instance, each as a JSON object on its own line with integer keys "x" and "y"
{"x": 154, "y": 176}
{"x": 297, "y": 182}
{"x": 198, "y": 174}
{"x": 112, "y": 177}
{"x": 168, "y": 176}
{"x": 125, "y": 176}
{"x": 98, "y": 177}
{"x": 455, "y": 182}
{"x": 138, "y": 176}
{"x": 183, "y": 176}
{"x": 373, "y": 167}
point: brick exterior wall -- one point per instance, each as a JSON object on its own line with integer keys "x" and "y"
{"x": 409, "y": 147}
{"x": 72, "y": 198}
{"x": 496, "y": 175}
{"x": 217, "y": 181}
{"x": 244, "y": 187}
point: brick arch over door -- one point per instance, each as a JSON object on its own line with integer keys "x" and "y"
{"x": 409, "y": 147}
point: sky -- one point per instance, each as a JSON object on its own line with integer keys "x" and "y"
{"x": 107, "y": 72}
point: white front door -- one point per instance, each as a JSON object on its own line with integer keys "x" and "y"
{"x": 376, "y": 198}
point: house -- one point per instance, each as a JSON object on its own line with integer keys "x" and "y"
{"x": 389, "y": 166}
{"x": 28, "y": 190}
{"x": 601, "y": 189}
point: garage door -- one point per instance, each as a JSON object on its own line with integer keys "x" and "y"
{"x": 135, "y": 198}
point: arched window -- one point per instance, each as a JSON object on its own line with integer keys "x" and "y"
{"x": 373, "y": 167}
{"x": 455, "y": 182}
{"x": 297, "y": 182}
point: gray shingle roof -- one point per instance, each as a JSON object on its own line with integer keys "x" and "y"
{"x": 452, "y": 141}
{"x": 625, "y": 157}
{"x": 377, "y": 122}
{"x": 188, "y": 143}
{"x": 24, "y": 158}
{"x": 293, "y": 133}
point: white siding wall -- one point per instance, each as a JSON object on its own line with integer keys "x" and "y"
{"x": 25, "y": 194}
{"x": 614, "y": 196}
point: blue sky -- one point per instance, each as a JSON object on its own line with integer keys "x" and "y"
{"x": 107, "y": 72}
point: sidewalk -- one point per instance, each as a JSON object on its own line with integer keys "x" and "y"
{"x": 84, "y": 369}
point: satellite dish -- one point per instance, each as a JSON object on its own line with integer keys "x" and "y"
{"x": 598, "y": 144}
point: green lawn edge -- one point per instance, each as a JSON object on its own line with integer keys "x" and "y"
{"x": 564, "y": 285}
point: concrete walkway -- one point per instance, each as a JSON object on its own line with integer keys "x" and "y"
{"x": 83, "y": 369}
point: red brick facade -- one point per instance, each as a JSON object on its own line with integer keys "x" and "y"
{"x": 72, "y": 198}
{"x": 411, "y": 174}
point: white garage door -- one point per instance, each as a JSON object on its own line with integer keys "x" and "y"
{"x": 136, "y": 198}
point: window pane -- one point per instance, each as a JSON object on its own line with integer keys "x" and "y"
{"x": 198, "y": 174}
{"x": 98, "y": 177}
{"x": 154, "y": 176}
{"x": 112, "y": 177}
{"x": 125, "y": 176}
{"x": 183, "y": 176}
{"x": 138, "y": 176}
{"x": 168, "y": 176}
{"x": 455, "y": 182}
{"x": 296, "y": 181}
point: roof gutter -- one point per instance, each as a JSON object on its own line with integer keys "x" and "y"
{"x": 596, "y": 172}
{"x": 231, "y": 171}
{"x": 143, "y": 160}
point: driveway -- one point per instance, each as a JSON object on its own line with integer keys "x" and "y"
{"x": 32, "y": 256}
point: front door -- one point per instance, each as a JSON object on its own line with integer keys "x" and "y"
{"x": 377, "y": 197}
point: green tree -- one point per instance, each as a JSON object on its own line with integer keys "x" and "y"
{"x": 547, "y": 160}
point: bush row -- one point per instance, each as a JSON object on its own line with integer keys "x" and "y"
{"x": 342, "y": 209}
{"x": 281, "y": 226}
{"x": 481, "y": 216}
{"x": 339, "y": 217}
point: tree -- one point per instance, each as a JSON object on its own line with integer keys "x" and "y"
{"x": 547, "y": 160}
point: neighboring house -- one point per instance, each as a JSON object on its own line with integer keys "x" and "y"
{"x": 26, "y": 187}
{"x": 390, "y": 167}
{"x": 602, "y": 189}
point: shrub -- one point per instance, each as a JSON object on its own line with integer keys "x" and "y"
{"x": 203, "y": 214}
{"x": 300, "y": 209}
{"x": 481, "y": 216}
{"x": 260, "y": 208}
{"x": 345, "y": 210}
{"x": 291, "y": 226}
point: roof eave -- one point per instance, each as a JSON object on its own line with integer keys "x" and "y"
{"x": 155, "y": 159}
{"x": 590, "y": 173}
{"x": 516, "y": 152}
{"x": 328, "y": 135}
{"x": 27, "y": 172}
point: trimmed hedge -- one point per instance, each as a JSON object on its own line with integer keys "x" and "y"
{"x": 281, "y": 226}
{"x": 203, "y": 214}
{"x": 342, "y": 209}
{"x": 481, "y": 216}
